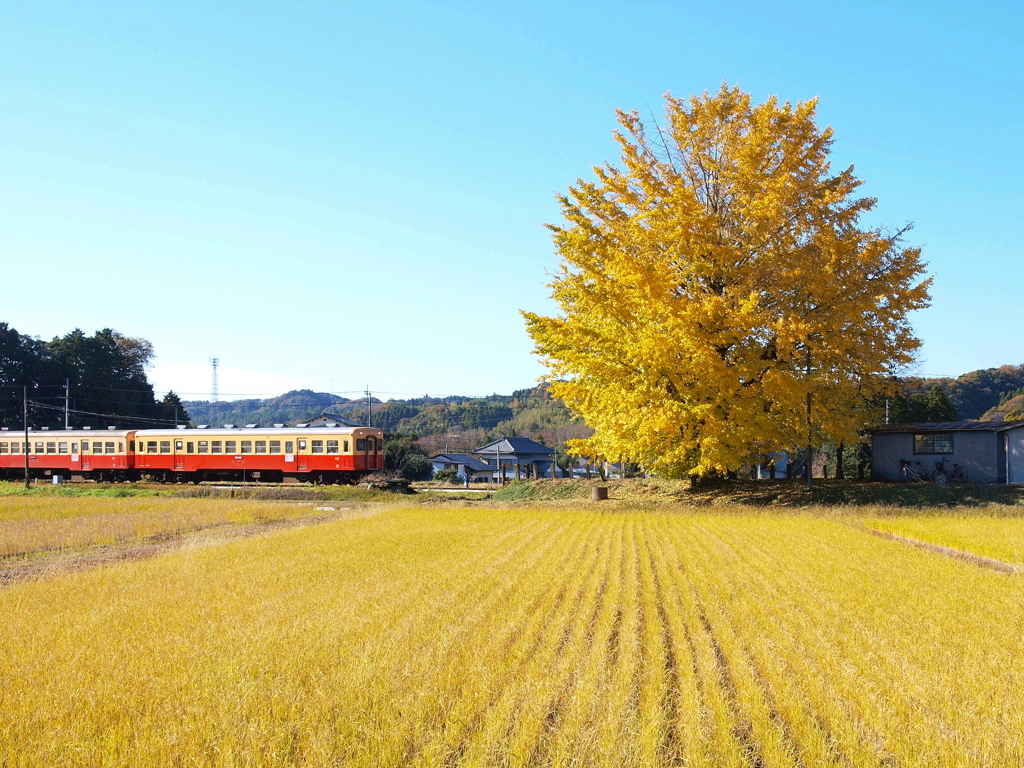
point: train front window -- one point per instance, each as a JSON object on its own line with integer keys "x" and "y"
{"x": 216, "y": 447}
{"x": 247, "y": 446}
{"x": 275, "y": 446}
{"x": 261, "y": 446}
{"x": 108, "y": 447}
{"x": 165, "y": 446}
{"x": 360, "y": 444}
{"x": 204, "y": 446}
{"x": 318, "y": 446}
{"x": 62, "y": 447}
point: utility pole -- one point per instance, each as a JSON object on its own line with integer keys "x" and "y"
{"x": 25, "y": 394}
{"x": 67, "y": 390}
{"x": 810, "y": 462}
{"x": 369, "y": 408}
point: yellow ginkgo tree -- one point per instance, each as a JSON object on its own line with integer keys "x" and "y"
{"x": 720, "y": 299}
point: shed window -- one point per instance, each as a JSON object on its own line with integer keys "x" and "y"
{"x": 934, "y": 442}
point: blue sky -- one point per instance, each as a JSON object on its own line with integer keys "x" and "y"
{"x": 336, "y": 195}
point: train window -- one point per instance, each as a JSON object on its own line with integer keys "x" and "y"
{"x": 289, "y": 447}
{"x": 189, "y": 447}
{"x": 261, "y": 446}
{"x": 131, "y": 446}
{"x": 165, "y": 446}
{"x": 178, "y": 445}
{"x": 370, "y": 444}
{"x": 3, "y": 447}
{"x": 360, "y": 444}
{"x": 275, "y": 446}
{"x": 51, "y": 447}
{"x": 39, "y": 448}
{"x": 332, "y": 446}
{"x": 302, "y": 445}
{"x": 74, "y": 447}
{"x": 120, "y": 447}
{"x": 204, "y": 446}
{"x": 346, "y": 446}
{"x": 216, "y": 447}
{"x": 85, "y": 446}
{"x": 15, "y": 447}
{"x": 62, "y": 447}
{"x": 151, "y": 446}
{"x": 247, "y": 446}
{"x": 230, "y": 446}
{"x": 108, "y": 447}
{"x": 318, "y": 446}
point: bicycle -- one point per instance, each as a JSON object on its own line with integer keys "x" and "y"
{"x": 943, "y": 474}
{"x": 914, "y": 470}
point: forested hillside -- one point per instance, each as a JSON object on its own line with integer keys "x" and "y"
{"x": 451, "y": 423}
{"x": 979, "y": 394}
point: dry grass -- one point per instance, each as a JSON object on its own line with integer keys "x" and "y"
{"x": 39, "y": 523}
{"x": 436, "y": 636}
{"x": 999, "y": 538}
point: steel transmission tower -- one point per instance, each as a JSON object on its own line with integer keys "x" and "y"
{"x": 214, "y": 362}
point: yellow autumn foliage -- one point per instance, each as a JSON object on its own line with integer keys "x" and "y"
{"x": 716, "y": 277}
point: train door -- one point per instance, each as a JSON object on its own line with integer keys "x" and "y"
{"x": 179, "y": 455}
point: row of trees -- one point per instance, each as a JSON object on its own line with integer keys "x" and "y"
{"x": 101, "y": 379}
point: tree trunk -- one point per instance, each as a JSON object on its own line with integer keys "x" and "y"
{"x": 840, "y": 475}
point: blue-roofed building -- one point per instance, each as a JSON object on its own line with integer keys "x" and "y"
{"x": 464, "y": 464}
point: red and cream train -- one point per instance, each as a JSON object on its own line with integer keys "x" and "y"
{"x": 282, "y": 454}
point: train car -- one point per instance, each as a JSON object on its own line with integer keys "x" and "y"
{"x": 279, "y": 454}
{"x": 76, "y": 454}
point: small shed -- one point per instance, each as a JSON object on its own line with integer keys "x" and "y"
{"x": 518, "y": 457}
{"x": 990, "y": 451}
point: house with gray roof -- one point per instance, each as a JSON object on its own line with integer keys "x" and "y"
{"x": 518, "y": 458}
{"x": 990, "y": 451}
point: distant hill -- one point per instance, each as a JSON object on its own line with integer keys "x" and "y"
{"x": 454, "y": 423}
{"x": 978, "y": 394}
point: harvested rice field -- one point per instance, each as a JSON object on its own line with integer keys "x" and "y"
{"x": 535, "y": 636}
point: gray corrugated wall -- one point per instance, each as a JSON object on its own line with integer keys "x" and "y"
{"x": 978, "y": 452}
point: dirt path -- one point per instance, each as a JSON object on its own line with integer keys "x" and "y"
{"x": 47, "y": 565}
{"x": 959, "y": 554}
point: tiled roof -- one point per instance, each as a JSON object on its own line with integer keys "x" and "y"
{"x": 951, "y": 426}
{"x": 514, "y": 445}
